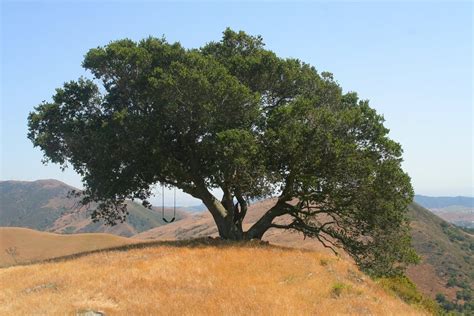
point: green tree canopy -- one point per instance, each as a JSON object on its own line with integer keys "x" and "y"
{"x": 232, "y": 115}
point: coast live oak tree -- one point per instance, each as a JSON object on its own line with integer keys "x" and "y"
{"x": 232, "y": 115}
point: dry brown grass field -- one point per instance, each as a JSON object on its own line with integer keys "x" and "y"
{"x": 31, "y": 245}
{"x": 196, "y": 279}
{"x": 430, "y": 276}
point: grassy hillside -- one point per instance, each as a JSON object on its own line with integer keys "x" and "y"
{"x": 443, "y": 255}
{"x": 447, "y": 252}
{"x": 197, "y": 279}
{"x": 447, "y": 255}
{"x": 33, "y": 204}
{"x": 22, "y": 245}
{"x": 44, "y": 205}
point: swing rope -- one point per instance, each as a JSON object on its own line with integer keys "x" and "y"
{"x": 163, "y": 205}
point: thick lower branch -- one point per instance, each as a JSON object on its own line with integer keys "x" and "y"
{"x": 265, "y": 222}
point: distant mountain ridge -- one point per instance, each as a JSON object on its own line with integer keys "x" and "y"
{"x": 458, "y": 210}
{"x": 44, "y": 205}
{"x": 437, "y": 202}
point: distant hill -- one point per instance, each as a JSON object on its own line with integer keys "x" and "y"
{"x": 458, "y": 210}
{"x": 44, "y": 205}
{"x": 23, "y": 245}
{"x": 437, "y": 202}
{"x": 195, "y": 208}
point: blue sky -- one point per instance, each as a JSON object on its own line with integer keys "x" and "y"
{"x": 413, "y": 61}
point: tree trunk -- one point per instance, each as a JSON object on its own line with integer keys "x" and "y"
{"x": 224, "y": 218}
{"x": 229, "y": 217}
{"x": 228, "y": 229}
{"x": 231, "y": 228}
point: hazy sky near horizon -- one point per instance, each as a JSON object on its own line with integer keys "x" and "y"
{"x": 413, "y": 61}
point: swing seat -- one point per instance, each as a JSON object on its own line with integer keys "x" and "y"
{"x": 170, "y": 221}
{"x": 163, "y": 206}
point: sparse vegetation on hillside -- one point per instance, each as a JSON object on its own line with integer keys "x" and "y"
{"x": 469, "y": 230}
{"x": 29, "y": 204}
{"x": 198, "y": 279}
{"x": 450, "y": 251}
{"x": 407, "y": 291}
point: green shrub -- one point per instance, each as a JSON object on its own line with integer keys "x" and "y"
{"x": 464, "y": 295}
{"x": 405, "y": 289}
{"x": 451, "y": 282}
{"x": 338, "y": 288}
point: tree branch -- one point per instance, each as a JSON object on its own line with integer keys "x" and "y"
{"x": 289, "y": 226}
{"x": 265, "y": 222}
{"x": 321, "y": 237}
{"x": 243, "y": 206}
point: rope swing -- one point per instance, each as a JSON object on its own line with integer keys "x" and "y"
{"x": 163, "y": 205}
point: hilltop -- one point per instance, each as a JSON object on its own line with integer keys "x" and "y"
{"x": 44, "y": 205}
{"x": 199, "y": 279}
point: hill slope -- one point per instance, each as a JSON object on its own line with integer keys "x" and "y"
{"x": 447, "y": 252}
{"x": 442, "y": 256}
{"x": 30, "y": 245}
{"x": 197, "y": 279}
{"x": 44, "y": 205}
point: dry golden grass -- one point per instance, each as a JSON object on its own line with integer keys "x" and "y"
{"x": 32, "y": 245}
{"x": 190, "y": 279}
